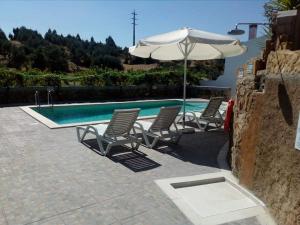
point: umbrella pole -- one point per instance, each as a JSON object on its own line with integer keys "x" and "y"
{"x": 186, "y": 53}
{"x": 184, "y": 89}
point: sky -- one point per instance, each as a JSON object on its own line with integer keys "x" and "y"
{"x": 103, "y": 18}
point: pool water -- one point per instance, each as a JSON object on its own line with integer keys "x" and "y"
{"x": 98, "y": 112}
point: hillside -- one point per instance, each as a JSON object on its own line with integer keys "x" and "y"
{"x": 25, "y": 49}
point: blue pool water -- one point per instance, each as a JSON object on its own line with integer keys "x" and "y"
{"x": 97, "y": 112}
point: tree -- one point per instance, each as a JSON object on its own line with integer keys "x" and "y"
{"x": 17, "y": 57}
{"x": 28, "y": 36}
{"x": 4, "y": 44}
{"x": 273, "y": 6}
{"x": 56, "y": 59}
{"x": 110, "y": 42}
{"x": 2, "y": 35}
{"x": 53, "y": 51}
{"x": 39, "y": 59}
{"x": 5, "y": 48}
{"x": 53, "y": 37}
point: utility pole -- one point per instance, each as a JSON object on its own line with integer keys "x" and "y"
{"x": 134, "y": 24}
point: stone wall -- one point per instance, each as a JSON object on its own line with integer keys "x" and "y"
{"x": 263, "y": 153}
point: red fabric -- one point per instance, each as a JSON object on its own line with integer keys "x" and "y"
{"x": 228, "y": 115}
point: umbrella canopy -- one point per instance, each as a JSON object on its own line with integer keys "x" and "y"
{"x": 201, "y": 45}
{"x": 187, "y": 44}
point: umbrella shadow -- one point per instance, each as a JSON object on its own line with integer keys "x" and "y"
{"x": 136, "y": 161}
{"x": 200, "y": 148}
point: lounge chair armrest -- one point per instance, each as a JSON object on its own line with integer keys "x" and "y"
{"x": 186, "y": 113}
{"x": 91, "y": 127}
{"x": 191, "y": 114}
{"x": 138, "y": 126}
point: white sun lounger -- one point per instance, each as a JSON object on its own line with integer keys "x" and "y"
{"x": 117, "y": 132}
{"x": 159, "y": 129}
{"x": 213, "y": 113}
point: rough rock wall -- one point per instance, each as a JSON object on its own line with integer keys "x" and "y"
{"x": 263, "y": 153}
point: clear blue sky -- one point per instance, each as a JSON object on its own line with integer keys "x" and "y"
{"x": 102, "y": 18}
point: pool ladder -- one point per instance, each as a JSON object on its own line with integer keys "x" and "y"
{"x": 49, "y": 96}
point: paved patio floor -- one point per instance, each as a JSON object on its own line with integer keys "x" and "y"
{"x": 47, "y": 177}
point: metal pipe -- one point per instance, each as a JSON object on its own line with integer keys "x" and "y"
{"x": 252, "y": 29}
{"x": 264, "y": 24}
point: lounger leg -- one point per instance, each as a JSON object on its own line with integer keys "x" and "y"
{"x": 107, "y": 150}
{"x": 84, "y": 134}
{"x": 180, "y": 118}
{"x": 201, "y": 127}
{"x": 188, "y": 118}
{"x": 148, "y": 144}
{"x": 206, "y": 126}
{"x": 78, "y": 134}
{"x": 176, "y": 138}
{"x": 100, "y": 144}
{"x": 146, "y": 140}
{"x": 219, "y": 124}
{"x": 132, "y": 145}
{"x": 137, "y": 144}
{"x": 199, "y": 124}
{"x": 193, "y": 118}
{"x": 154, "y": 142}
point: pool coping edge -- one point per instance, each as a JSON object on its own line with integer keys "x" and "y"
{"x": 52, "y": 125}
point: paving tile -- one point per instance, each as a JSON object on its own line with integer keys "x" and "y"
{"x": 47, "y": 177}
{"x": 2, "y": 217}
{"x": 156, "y": 216}
{"x": 65, "y": 195}
{"x": 49, "y": 221}
{"x": 130, "y": 204}
{"x": 88, "y": 216}
{"x": 27, "y": 210}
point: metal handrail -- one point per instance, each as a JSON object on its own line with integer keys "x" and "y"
{"x": 50, "y": 98}
{"x": 37, "y": 99}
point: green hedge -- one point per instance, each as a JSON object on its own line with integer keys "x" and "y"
{"x": 95, "y": 77}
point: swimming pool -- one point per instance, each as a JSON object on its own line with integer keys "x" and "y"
{"x": 77, "y": 114}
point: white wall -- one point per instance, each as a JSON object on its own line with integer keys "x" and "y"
{"x": 228, "y": 79}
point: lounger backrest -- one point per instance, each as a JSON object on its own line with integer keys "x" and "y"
{"x": 165, "y": 118}
{"x": 122, "y": 122}
{"x": 212, "y": 107}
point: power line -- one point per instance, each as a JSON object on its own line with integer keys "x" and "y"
{"x": 134, "y": 19}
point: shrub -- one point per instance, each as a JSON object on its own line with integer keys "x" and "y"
{"x": 92, "y": 80}
{"x": 43, "y": 80}
{"x": 96, "y": 77}
{"x": 10, "y": 78}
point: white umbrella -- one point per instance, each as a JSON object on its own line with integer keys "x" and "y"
{"x": 187, "y": 44}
